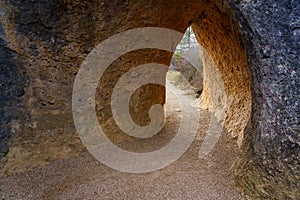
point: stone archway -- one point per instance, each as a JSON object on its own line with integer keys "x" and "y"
{"x": 44, "y": 43}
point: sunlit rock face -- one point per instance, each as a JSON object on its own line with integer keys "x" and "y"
{"x": 226, "y": 72}
{"x": 252, "y": 45}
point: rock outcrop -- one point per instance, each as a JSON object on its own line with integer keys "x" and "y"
{"x": 253, "y": 44}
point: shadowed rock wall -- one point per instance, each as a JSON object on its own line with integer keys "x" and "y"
{"x": 43, "y": 44}
{"x": 270, "y": 165}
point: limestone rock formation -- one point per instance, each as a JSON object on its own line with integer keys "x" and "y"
{"x": 253, "y": 44}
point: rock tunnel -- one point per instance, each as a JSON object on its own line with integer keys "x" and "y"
{"x": 254, "y": 45}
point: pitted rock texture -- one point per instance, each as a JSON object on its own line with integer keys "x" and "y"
{"x": 55, "y": 37}
{"x": 11, "y": 91}
{"x": 254, "y": 44}
{"x": 226, "y": 61}
{"x": 213, "y": 97}
{"x": 273, "y": 133}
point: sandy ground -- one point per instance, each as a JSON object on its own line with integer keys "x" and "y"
{"x": 83, "y": 177}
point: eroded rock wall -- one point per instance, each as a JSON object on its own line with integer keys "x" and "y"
{"x": 43, "y": 44}
{"x": 214, "y": 97}
{"x": 270, "y": 165}
{"x": 226, "y": 71}
{"x": 52, "y": 38}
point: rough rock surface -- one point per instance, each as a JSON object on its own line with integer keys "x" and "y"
{"x": 42, "y": 44}
{"x": 226, "y": 62}
{"x": 213, "y": 97}
{"x": 11, "y": 89}
{"x": 270, "y": 166}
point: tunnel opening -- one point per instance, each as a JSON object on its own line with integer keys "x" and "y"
{"x": 224, "y": 82}
{"x": 44, "y": 43}
{"x": 226, "y": 76}
{"x": 215, "y": 30}
{"x": 180, "y": 67}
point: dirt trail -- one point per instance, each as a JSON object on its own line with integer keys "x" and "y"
{"x": 83, "y": 177}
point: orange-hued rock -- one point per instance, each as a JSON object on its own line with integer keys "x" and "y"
{"x": 226, "y": 71}
{"x": 251, "y": 78}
